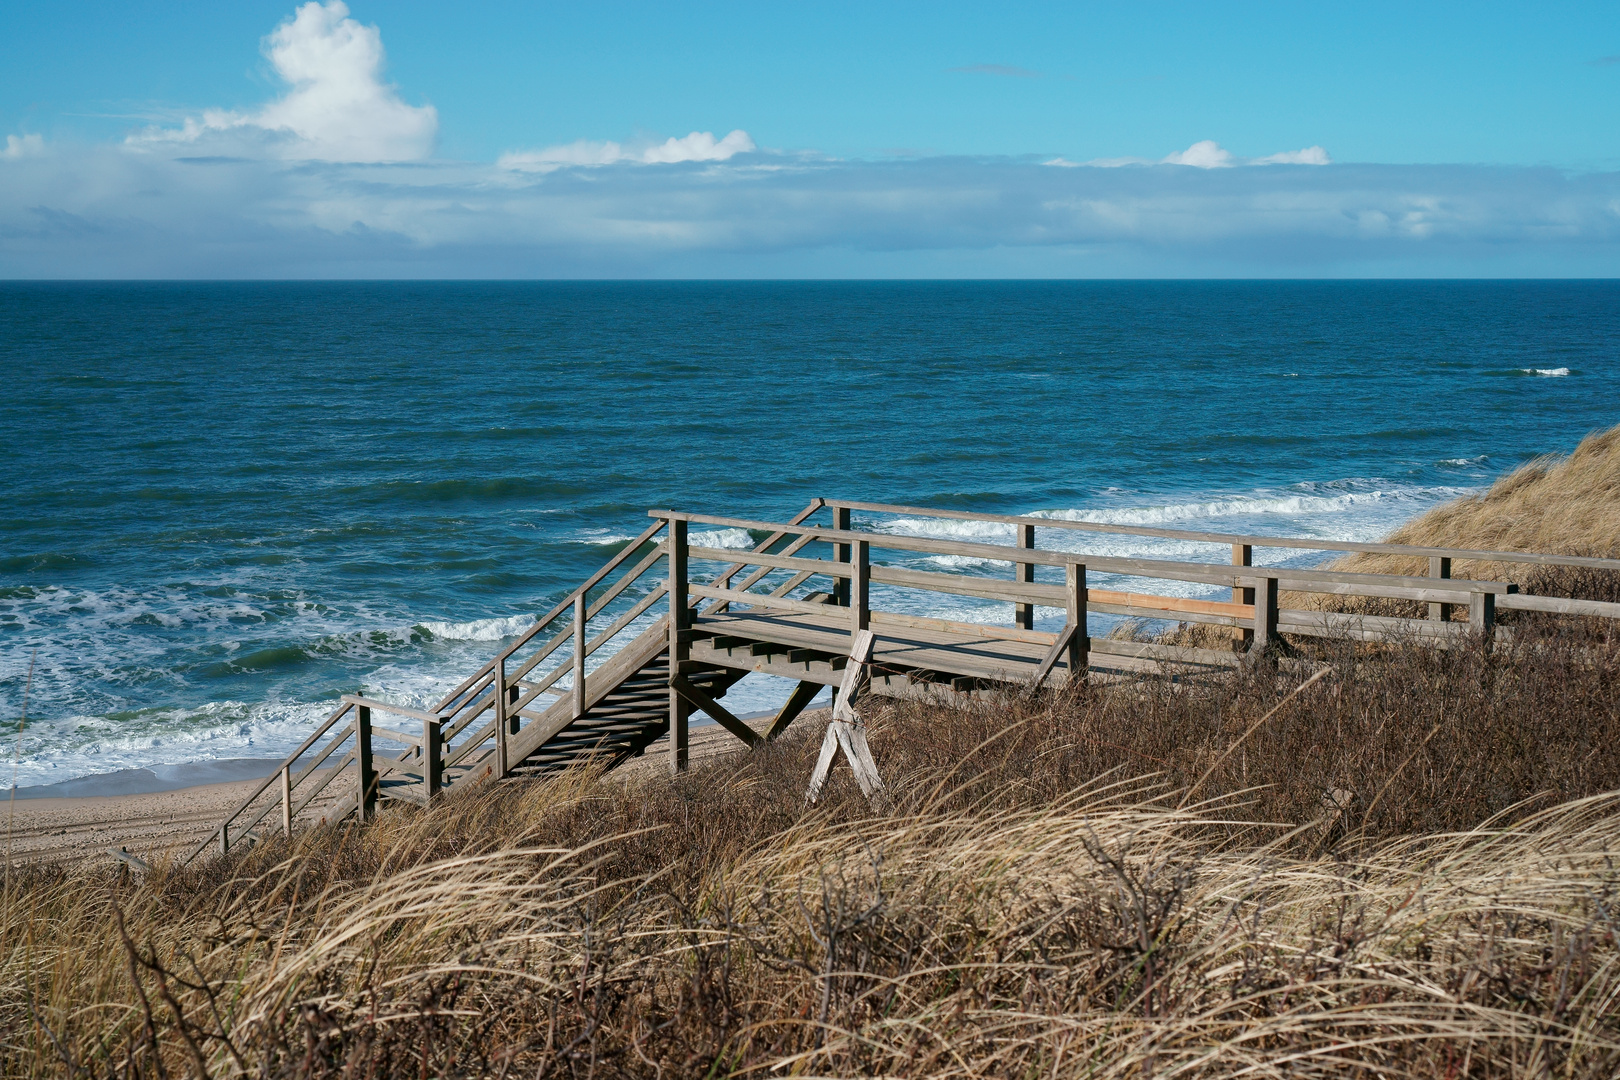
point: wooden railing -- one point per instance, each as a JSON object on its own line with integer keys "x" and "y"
{"x": 484, "y": 727}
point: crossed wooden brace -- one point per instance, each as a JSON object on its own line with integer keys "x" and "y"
{"x": 848, "y": 731}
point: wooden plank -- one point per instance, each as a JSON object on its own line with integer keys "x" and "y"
{"x": 925, "y": 622}
{"x": 802, "y": 696}
{"x": 679, "y": 645}
{"x": 860, "y": 590}
{"x": 1265, "y": 613}
{"x": 581, "y": 646}
{"x": 775, "y": 603}
{"x": 397, "y": 710}
{"x": 1439, "y": 567}
{"x": 395, "y": 736}
{"x": 963, "y": 585}
{"x": 1243, "y": 596}
{"x": 718, "y": 712}
{"x": 432, "y": 758}
{"x": 1024, "y": 574}
{"x": 366, "y": 783}
{"x": 286, "y": 799}
{"x": 1295, "y": 580}
{"x": 774, "y": 562}
{"x": 1076, "y": 609}
{"x": 1365, "y": 627}
{"x": 1234, "y": 538}
{"x": 1558, "y": 605}
{"x": 1059, "y": 648}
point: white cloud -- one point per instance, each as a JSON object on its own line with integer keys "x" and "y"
{"x": 337, "y": 107}
{"x": 698, "y": 146}
{"x": 1311, "y": 155}
{"x": 1205, "y": 154}
{"x": 21, "y": 146}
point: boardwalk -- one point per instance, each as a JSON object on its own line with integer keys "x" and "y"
{"x": 667, "y": 627}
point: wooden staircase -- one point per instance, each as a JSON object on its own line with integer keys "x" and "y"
{"x": 630, "y": 654}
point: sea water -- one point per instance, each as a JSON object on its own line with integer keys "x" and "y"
{"x": 226, "y": 504}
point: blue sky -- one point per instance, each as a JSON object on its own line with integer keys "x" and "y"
{"x": 531, "y": 140}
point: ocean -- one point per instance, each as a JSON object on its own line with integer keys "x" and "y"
{"x": 225, "y": 504}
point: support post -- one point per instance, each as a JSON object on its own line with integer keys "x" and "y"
{"x": 1024, "y": 574}
{"x": 1440, "y": 567}
{"x": 367, "y": 804}
{"x": 860, "y": 588}
{"x": 1243, "y": 555}
{"x": 286, "y": 800}
{"x": 679, "y": 646}
{"x": 1079, "y": 658}
{"x": 1265, "y": 614}
{"x": 432, "y": 758}
{"x": 841, "y": 553}
{"x": 1482, "y": 613}
{"x": 501, "y": 764}
{"x": 512, "y": 719}
{"x": 579, "y": 651}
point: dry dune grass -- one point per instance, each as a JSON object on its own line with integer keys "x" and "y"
{"x": 1139, "y": 883}
{"x": 1562, "y": 506}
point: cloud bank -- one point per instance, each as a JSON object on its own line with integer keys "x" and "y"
{"x": 110, "y": 212}
{"x": 337, "y": 107}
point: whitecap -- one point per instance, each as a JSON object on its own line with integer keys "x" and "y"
{"x": 1546, "y": 372}
{"x": 479, "y": 629}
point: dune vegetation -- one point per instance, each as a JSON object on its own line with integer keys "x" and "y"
{"x": 1409, "y": 866}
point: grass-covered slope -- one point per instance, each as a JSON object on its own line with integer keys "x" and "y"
{"x": 1553, "y": 505}
{"x": 1408, "y": 868}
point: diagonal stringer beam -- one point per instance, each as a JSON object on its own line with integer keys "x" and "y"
{"x": 721, "y": 714}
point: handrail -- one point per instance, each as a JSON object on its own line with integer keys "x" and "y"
{"x": 1293, "y": 579}
{"x": 1300, "y": 543}
{"x": 260, "y": 790}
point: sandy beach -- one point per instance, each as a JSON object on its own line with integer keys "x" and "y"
{"x": 150, "y": 824}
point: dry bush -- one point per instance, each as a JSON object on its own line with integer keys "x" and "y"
{"x": 1131, "y": 883}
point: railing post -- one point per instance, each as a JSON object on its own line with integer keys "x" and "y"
{"x": 579, "y": 654}
{"x": 432, "y": 757}
{"x": 841, "y": 553}
{"x": 1076, "y": 599}
{"x": 1265, "y": 613}
{"x": 1440, "y": 567}
{"x": 1243, "y": 555}
{"x": 500, "y": 718}
{"x": 286, "y": 799}
{"x": 679, "y": 646}
{"x": 860, "y": 588}
{"x": 366, "y": 805}
{"x": 1482, "y": 613}
{"x": 1024, "y": 573}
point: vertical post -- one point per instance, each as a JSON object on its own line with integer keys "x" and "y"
{"x": 1243, "y": 555}
{"x": 1482, "y": 613}
{"x": 501, "y": 764}
{"x": 841, "y": 553}
{"x": 579, "y": 651}
{"x": 286, "y": 800}
{"x": 860, "y": 588}
{"x": 1024, "y": 573}
{"x": 1440, "y": 567}
{"x": 367, "y": 805}
{"x": 1075, "y": 596}
{"x": 1265, "y": 614}
{"x": 513, "y": 694}
{"x": 679, "y": 646}
{"x": 432, "y": 758}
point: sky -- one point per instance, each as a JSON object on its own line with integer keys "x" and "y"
{"x": 406, "y": 140}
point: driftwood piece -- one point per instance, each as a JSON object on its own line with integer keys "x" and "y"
{"x": 847, "y": 731}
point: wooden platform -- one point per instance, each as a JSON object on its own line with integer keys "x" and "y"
{"x": 684, "y": 622}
